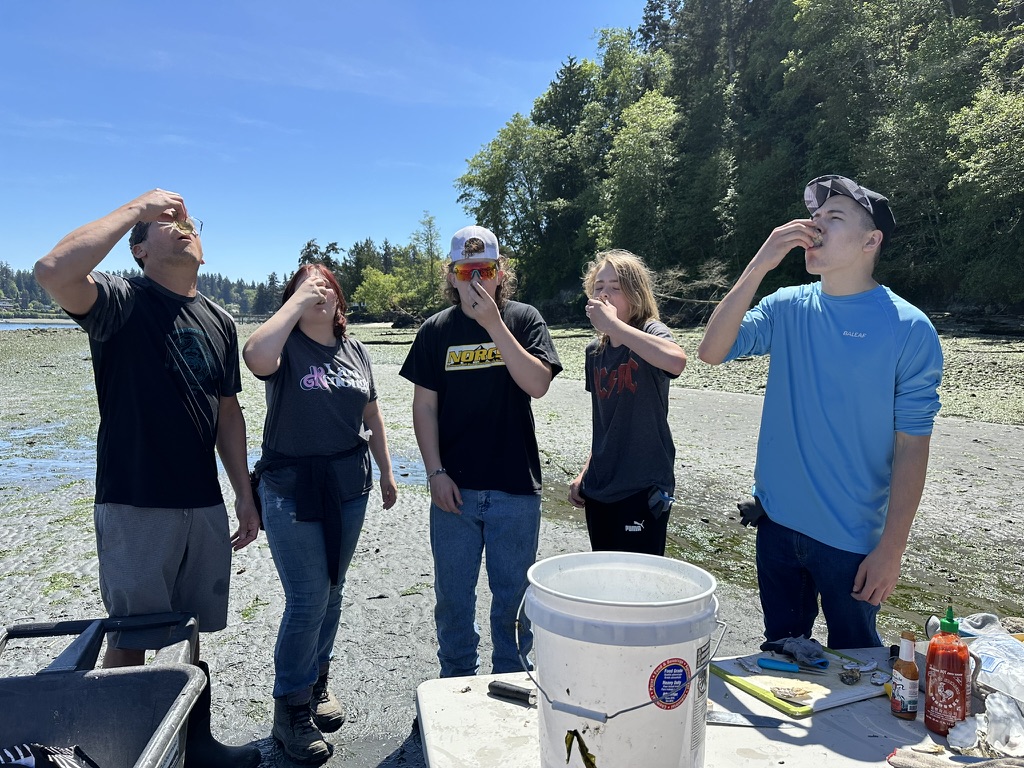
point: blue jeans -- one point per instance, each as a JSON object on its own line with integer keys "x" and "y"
{"x": 312, "y": 607}
{"x": 793, "y": 570}
{"x": 506, "y": 527}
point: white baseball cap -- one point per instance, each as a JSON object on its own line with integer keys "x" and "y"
{"x": 462, "y": 238}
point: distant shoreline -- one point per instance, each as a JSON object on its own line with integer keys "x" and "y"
{"x": 63, "y": 320}
{"x": 14, "y": 324}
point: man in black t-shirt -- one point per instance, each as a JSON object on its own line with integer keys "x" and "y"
{"x": 475, "y": 366}
{"x": 165, "y": 360}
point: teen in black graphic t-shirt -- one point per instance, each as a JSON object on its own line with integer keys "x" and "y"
{"x": 476, "y": 365}
{"x": 628, "y": 481}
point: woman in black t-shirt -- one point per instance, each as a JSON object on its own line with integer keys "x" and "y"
{"x": 315, "y": 480}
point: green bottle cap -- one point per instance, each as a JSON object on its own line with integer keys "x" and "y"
{"x": 947, "y": 623}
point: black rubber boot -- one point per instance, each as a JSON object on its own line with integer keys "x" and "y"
{"x": 328, "y": 714}
{"x": 204, "y": 751}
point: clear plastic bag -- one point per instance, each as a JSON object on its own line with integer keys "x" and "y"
{"x": 999, "y": 681}
{"x": 1001, "y": 661}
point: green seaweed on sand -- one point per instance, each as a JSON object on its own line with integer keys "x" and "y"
{"x": 416, "y": 589}
{"x": 255, "y": 606}
{"x": 60, "y": 582}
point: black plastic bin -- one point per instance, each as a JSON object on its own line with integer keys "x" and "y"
{"x": 132, "y": 716}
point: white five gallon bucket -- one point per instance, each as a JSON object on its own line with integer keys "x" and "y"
{"x": 622, "y": 643}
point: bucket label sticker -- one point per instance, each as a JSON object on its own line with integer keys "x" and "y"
{"x": 669, "y": 683}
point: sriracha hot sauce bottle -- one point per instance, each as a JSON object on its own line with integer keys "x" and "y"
{"x": 947, "y": 677}
{"x": 905, "y": 676}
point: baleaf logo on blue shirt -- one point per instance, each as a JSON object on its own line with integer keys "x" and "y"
{"x": 855, "y": 334}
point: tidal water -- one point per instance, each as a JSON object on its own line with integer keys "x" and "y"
{"x": 6, "y": 325}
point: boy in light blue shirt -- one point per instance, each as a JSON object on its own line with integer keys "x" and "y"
{"x": 847, "y": 418}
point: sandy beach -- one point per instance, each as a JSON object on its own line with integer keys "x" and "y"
{"x": 965, "y": 544}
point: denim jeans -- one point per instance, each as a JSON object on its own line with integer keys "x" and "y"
{"x": 312, "y": 607}
{"x": 793, "y": 570}
{"x": 505, "y": 527}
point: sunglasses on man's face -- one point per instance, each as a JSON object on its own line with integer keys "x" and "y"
{"x": 485, "y": 270}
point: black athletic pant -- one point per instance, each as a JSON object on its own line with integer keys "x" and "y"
{"x": 626, "y": 525}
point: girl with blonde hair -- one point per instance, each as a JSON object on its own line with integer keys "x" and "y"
{"x": 627, "y": 483}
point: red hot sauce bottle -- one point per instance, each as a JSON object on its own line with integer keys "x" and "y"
{"x": 947, "y": 677}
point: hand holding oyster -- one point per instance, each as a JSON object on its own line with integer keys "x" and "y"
{"x": 811, "y": 229}
{"x": 186, "y": 226}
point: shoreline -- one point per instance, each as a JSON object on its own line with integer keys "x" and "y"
{"x": 63, "y": 320}
{"x": 982, "y": 381}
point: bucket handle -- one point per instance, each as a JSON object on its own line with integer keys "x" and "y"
{"x": 590, "y": 714}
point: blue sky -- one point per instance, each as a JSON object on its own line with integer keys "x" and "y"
{"x": 277, "y": 121}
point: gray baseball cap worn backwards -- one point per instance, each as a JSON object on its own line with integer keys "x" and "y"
{"x": 822, "y": 188}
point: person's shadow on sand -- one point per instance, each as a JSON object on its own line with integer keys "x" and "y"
{"x": 407, "y": 754}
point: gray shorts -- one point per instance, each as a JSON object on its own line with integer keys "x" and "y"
{"x": 155, "y": 560}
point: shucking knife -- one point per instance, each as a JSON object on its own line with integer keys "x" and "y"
{"x": 788, "y": 666}
{"x": 968, "y": 759}
{"x": 512, "y": 692}
{"x": 751, "y": 721}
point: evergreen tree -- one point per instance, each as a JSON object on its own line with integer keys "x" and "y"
{"x": 312, "y": 253}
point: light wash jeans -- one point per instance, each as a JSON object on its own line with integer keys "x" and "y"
{"x": 312, "y": 607}
{"x": 793, "y": 570}
{"x": 506, "y": 527}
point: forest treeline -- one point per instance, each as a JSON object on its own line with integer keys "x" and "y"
{"x": 688, "y": 139}
{"x": 379, "y": 281}
{"x": 21, "y": 295}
